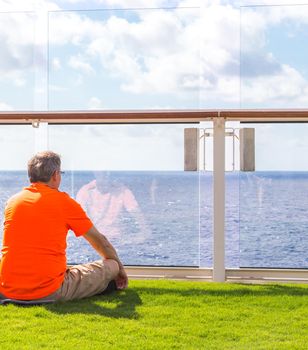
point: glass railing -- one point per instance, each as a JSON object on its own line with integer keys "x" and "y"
{"x": 164, "y": 216}
{"x": 125, "y": 59}
{"x": 130, "y": 181}
{"x": 273, "y": 201}
{"x": 122, "y": 59}
{"x": 116, "y": 59}
{"x": 273, "y": 56}
{"x": 18, "y": 61}
{"x": 17, "y": 144}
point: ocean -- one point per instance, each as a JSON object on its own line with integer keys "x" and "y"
{"x": 165, "y": 218}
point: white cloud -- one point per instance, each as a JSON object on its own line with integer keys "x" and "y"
{"x": 287, "y": 88}
{"x": 136, "y": 3}
{"x": 78, "y": 28}
{"x": 95, "y": 103}
{"x": 27, "y": 5}
{"x": 260, "y": 3}
{"x": 140, "y": 53}
{"x": 266, "y": 80}
{"x": 78, "y": 63}
{"x": 195, "y": 54}
{"x": 179, "y": 52}
{"x": 5, "y": 107}
{"x": 17, "y": 44}
{"x": 21, "y": 39}
{"x": 56, "y": 64}
{"x": 256, "y": 20}
{"x": 57, "y": 88}
{"x": 18, "y": 81}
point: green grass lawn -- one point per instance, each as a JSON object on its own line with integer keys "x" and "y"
{"x": 166, "y": 315}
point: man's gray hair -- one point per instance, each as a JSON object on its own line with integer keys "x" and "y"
{"x": 43, "y": 165}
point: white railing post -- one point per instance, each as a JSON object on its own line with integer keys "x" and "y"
{"x": 219, "y": 274}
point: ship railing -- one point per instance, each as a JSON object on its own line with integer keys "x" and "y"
{"x": 219, "y": 272}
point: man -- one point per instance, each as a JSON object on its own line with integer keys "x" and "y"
{"x": 37, "y": 219}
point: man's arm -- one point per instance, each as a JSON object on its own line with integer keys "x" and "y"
{"x": 105, "y": 249}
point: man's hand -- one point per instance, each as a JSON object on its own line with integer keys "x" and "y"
{"x": 122, "y": 279}
{"x": 101, "y": 244}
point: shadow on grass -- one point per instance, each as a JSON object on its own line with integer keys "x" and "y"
{"x": 116, "y": 305}
{"x": 231, "y": 290}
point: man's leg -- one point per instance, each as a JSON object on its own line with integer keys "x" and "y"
{"x": 85, "y": 280}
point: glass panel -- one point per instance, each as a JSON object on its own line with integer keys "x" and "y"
{"x": 273, "y": 199}
{"x": 123, "y": 59}
{"x": 274, "y": 75}
{"x": 17, "y": 145}
{"x": 232, "y": 195}
{"x": 206, "y": 218}
{"x": 130, "y": 180}
{"x": 206, "y": 194}
{"x": 274, "y": 56}
{"x": 18, "y": 61}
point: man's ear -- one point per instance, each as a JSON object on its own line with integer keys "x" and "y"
{"x": 54, "y": 176}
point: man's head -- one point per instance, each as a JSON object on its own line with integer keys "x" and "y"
{"x": 45, "y": 167}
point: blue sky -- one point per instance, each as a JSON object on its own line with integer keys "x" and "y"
{"x": 140, "y": 54}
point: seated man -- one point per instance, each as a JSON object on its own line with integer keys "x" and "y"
{"x": 37, "y": 219}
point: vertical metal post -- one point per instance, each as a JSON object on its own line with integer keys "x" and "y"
{"x": 219, "y": 201}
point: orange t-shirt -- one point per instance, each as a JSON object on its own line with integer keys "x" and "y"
{"x": 37, "y": 220}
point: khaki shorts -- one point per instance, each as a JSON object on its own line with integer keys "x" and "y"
{"x": 84, "y": 280}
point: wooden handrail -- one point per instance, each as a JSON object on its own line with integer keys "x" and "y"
{"x": 117, "y": 116}
{"x": 153, "y": 116}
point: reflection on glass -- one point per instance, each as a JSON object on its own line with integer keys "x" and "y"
{"x": 104, "y": 199}
{"x": 151, "y": 216}
{"x": 273, "y": 200}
